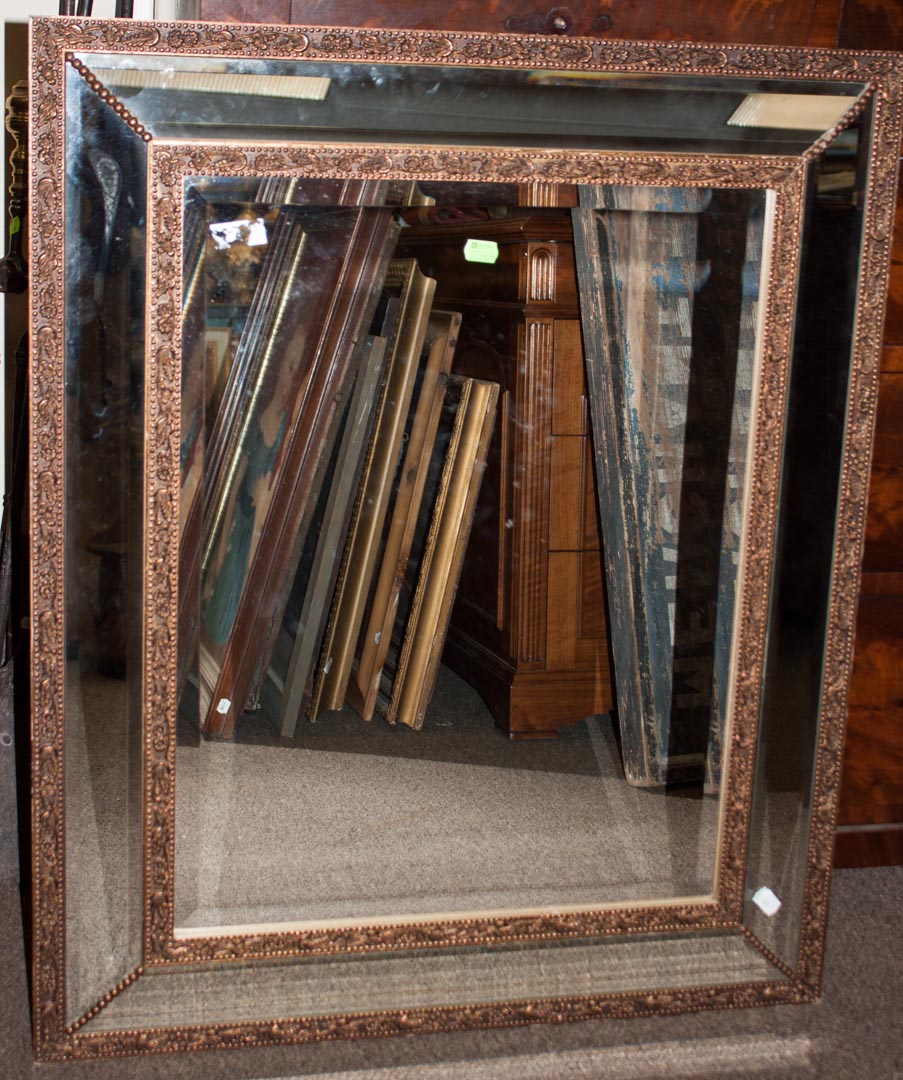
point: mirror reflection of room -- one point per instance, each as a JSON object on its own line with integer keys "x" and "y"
{"x": 461, "y": 517}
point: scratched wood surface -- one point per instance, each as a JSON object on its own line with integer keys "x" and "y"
{"x": 669, "y": 331}
{"x": 763, "y": 22}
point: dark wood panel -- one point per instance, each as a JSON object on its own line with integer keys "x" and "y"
{"x": 592, "y": 534}
{"x": 892, "y": 358}
{"x": 566, "y": 492}
{"x": 884, "y": 528}
{"x": 825, "y": 20}
{"x": 867, "y": 846}
{"x": 793, "y": 22}
{"x": 871, "y": 24}
{"x": 889, "y": 584}
{"x": 568, "y": 380}
{"x": 893, "y": 325}
{"x": 872, "y": 787}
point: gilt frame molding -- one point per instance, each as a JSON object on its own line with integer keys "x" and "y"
{"x": 54, "y": 42}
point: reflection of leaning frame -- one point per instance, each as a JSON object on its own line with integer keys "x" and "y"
{"x": 217, "y": 353}
{"x": 274, "y": 432}
{"x": 435, "y": 565}
{"x": 670, "y": 341}
{"x": 287, "y": 679}
{"x": 415, "y": 292}
{"x": 376, "y": 633}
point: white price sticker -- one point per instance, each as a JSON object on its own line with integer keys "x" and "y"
{"x": 765, "y": 900}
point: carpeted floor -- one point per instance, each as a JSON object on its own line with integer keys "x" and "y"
{"x": 353, "y": 819}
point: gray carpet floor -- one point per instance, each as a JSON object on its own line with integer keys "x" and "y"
{"x": 352, "y": 819}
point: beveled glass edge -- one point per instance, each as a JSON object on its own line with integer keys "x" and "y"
{"x": 52, "y": 40}
{"x": 288, "y": 1031}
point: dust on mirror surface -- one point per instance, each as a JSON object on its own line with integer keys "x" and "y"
{"x": 396, "y": 680}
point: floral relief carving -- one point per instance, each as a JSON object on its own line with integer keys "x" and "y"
{"x": 46, "y": 527}
{"x": 506, "y": 50}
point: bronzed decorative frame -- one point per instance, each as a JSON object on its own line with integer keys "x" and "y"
{"x": 54, "y": 41}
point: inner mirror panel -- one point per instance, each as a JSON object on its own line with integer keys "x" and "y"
{"x": 397, "y": 669}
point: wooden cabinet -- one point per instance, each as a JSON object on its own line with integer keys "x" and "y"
{"x": 528, "y": 629}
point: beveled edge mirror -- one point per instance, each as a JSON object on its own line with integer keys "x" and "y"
{"x": 54, "y": 45}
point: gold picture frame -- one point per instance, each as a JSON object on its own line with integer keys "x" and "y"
{"x": 376, "y": 634}
{"x": 415, "y": 293}
{"x": 409, "y": 677}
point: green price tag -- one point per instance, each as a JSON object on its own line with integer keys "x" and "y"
{"x": 481, "y": 251}
{"x": 14, "y": 225}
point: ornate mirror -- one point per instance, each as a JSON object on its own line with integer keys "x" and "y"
{"x": 449, "y": 457}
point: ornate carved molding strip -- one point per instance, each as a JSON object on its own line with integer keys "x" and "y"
{"x": 847, "y": 120}
{"x": 499, "y": 50}
{"x": 431, "y": 1021}
{"x": 342, "y": 160}
{"x": 102, "y": 1003}
{"x": 46, "y": 423}
{"x": 887, "y": 127}
{"x": 161, "y": 492}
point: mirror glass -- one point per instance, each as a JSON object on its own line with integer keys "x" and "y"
{"x": 810, "y": 490}
{"x": 187, "y": 97}
{"x": 303, "y": 795}
{"x": 463, "y": 499}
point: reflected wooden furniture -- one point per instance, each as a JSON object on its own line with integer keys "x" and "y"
{"x": 871, "y": 810}
{"x": 528, "y": 628}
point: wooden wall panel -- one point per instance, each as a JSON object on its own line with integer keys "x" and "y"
{"x": 893, "y": 324}
{"x": 871, "y": 814}
{"x": 871, "y": 24}
{"x": 761, "y": 22}
{"x": 884, "y": 529}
